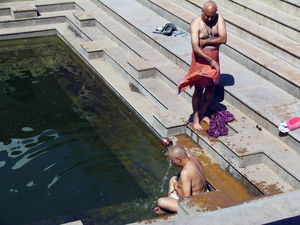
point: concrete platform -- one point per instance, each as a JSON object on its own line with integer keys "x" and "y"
{"x": 260, "y": 211}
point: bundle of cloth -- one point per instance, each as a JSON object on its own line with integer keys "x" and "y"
{"x": 170, "y": 29}
{"x": 218, "y": 122}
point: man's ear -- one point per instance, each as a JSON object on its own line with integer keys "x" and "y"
{"x": 179, "y": 159}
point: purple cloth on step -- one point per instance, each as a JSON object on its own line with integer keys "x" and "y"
{"x": 218, "y": 123}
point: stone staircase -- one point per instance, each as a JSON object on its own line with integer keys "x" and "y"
{"x": 259, "y": 72}
{"x": 262, "y": 58}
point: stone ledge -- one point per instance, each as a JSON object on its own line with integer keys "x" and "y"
{"x": 141, "y": 68}
{"x": 206, "y": 202}
{"x": 84, "y": 19}
{"x": 51, "y": 6}
{"x": 78, "y": 222}
{"x": 24, "y": 10}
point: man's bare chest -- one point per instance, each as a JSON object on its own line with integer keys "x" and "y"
{"x": 208, "y": 31}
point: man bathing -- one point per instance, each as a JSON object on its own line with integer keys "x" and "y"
{"x": 208, "y": 32}
{"x": 192, "y": 180}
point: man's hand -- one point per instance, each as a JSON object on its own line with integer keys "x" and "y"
{"x": 178, "y": 189}
{"x": 177, "y": 186}
{"x": 213, "y": 64}
{"x": 203, "y": 43}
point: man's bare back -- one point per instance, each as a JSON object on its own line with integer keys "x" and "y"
{"x": 194, "y": 172}
{"x": 194, "y": 168}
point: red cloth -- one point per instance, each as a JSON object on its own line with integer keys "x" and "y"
{"x": 200, "y": 72}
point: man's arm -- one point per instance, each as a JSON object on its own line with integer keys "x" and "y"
{"x": 195, "y": 36}
{"x": 185, "y": 189}
{"x": 221, "y": 38}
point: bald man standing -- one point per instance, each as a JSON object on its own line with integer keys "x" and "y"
{"x": 208, "y": 32}
{"x": 192, "y": 180}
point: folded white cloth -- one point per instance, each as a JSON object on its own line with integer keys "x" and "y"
{"x": 159, "y": 28}
{"x": 179, "y": 33}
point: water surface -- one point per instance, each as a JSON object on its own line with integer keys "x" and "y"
{"x": 67, "y": 145}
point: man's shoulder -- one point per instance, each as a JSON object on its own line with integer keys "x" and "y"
{"x": 219, "y": 17}
{"x": 186, "y": 175}
{"x": 196, "y": 20}
{"x": 191, "y": 168}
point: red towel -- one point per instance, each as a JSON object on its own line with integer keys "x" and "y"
{"x": 200, "y": 72}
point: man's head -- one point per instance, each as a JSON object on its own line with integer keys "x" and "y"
{"x": 209, "y": 11}
{"x": 177, "y": 155}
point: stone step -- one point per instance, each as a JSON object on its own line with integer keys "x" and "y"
{"x": 262, "y": 101}
{"x": 162, "y": 68}
{"x": 24, "y": 10}
{"x": 225, "y": 155}
{"x": 144, "y": 30}
{"x": 5, "y": 13}
{"x": 275, "y": 70}
{"x": 163, "y": 114}
{"x": 8, "y": 23}
{"x": 88, "y": 34}
{"x": 206, "y": 202}
{"x": 266, "y": 179}
{"x": 39, "y": 6}
{"x": 219, "y": 181}
{"x": 260, "y": 36}
{"x": 276, "y": 209}
{"x": 153, "y": 88}
{"x": 216, "y": 176}
{"x": 292, "y": 7}
{"x": 115, "y": 214}
{"x": 248, "y": 148}
{"x": 28, "y": 31}
{"x": 75, "y": 36}
{"x": 152, "y": 61}
{"x": 268, "y": 186}
{"x": 121, "y": 86}
{"x": 150, "y": 88}
{"x": 86, "y": 16}
{"x": 265, "y": 15}
{"x": 244, "y": 97}
{"x": 228, "y": 191}
{"x": 171, "y": 218}
{"x": 56, "y": 5}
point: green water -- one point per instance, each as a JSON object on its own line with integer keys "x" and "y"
{"x": 68, "y": 148}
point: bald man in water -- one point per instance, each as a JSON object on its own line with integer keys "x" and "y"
{"x": 192, "y": 180}
{"x": 208, "y": 32}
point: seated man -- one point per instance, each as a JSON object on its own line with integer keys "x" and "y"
{"x": 191, "y": 181}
